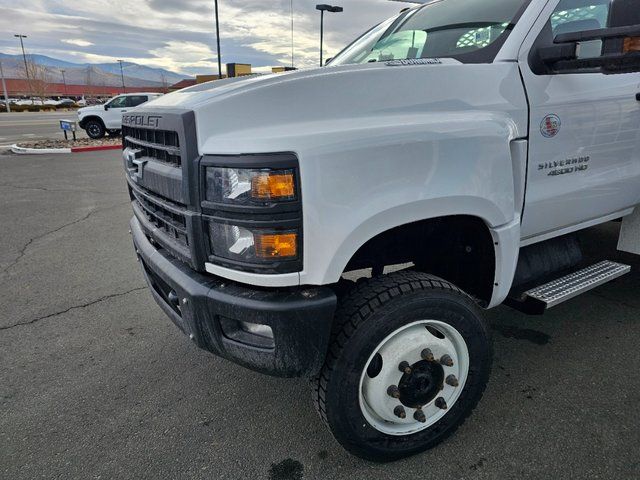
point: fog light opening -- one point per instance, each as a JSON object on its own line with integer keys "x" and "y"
{"x": 248, "y": 333}
{"x": 264, "y": 331}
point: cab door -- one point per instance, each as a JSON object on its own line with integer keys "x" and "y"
{"x": 584, "y": 134}
{"x": 113, "y": 114}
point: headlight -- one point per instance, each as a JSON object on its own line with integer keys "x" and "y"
{"x": 250, "y": 186}
{"x": 252, "y": 212}
{"x": 251, "y": 245}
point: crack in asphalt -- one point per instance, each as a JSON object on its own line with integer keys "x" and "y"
{"x": 74, "y": 307}
{"x": 66, "y": 190}
{"x": 23, "y": 251}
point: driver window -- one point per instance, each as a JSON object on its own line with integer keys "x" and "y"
{"x": 572, "y": 16}
{"x": 118, "y": 102}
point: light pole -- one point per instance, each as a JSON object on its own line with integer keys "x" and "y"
{"x": 4, "y": 89}
{"x": 218, "y": 41}
{"x": 292, "y": 52}
{"x": 24, "y": 57}
{"x": 64, "y": 81}
{"x": 325, "y": 8}
{"x": 124, "y": 89}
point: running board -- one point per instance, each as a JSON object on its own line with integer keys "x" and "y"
{"x": 543, "y": 297}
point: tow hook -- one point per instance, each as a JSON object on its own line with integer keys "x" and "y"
{"x": 173, "y": 299}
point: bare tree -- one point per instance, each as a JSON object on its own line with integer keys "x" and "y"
{"x": 88, "y": 81}
{"x": 165, "y": 84}
{"x": 39, "y": 76}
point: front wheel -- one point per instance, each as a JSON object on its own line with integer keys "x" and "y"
{"x": 409, "y": 360}
{"x": 95, "y": 129}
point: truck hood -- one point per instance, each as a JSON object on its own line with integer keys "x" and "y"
{"x": 92, "y": 109}
{"x": 286, "y": 111}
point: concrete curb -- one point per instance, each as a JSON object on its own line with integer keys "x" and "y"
{"x": 38, "y": 151}
{"x": 49, "y": 151}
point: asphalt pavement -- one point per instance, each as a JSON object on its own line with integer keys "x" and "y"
{"x": 25, "y": 126}
{"x": 95, "y": 382}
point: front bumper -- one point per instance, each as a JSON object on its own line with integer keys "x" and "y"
{"x": 199, "y": 305}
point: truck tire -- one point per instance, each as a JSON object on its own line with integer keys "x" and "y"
{"x": 95, "y": 129}
{"x": 409, "y": 360}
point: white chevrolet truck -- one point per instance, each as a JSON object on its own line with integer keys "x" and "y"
{"x": 464, "y": 140}
{"x": 98, "y": 120}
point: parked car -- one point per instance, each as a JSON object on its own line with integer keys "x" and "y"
{"x": 29, "y": 101}
{"x": 101, "y": 119}
{"x": 65, "y": 102}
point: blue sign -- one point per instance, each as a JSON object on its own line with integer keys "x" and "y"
{"x": 68, "y": 125}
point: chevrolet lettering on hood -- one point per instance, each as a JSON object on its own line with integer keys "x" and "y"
{"x": 151, "y": 121}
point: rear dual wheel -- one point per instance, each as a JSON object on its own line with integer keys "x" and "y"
{"x": 409, "y": 360}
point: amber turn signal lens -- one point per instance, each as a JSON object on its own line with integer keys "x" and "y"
{"x": 631, "y": 44}
{"x": 280, "y": 186}
{"x": 283, "y": 245}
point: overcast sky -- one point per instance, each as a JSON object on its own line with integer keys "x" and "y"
{"x": 179, "y": 34}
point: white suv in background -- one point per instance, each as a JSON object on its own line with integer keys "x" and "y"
{"x": 100, "y": 119}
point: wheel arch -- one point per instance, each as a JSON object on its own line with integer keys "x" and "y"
{"x": 460, "y": 248}
{"x": 89, "y": 118}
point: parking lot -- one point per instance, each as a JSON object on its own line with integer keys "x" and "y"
{"x": 26, "y": 126}
{"x": 95, "y": 382}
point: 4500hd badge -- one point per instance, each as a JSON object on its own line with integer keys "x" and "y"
{"x": 563, "y": 167}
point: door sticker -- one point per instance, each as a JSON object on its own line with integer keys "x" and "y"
{"x": 550, "y": 126}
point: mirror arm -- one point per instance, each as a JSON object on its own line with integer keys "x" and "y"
{"x": 556, "y": 53}
{"x": 619, "y": 63}
{"x": 599, "y": 34}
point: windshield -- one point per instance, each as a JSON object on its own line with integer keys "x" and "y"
{"x": 469, "y": 30}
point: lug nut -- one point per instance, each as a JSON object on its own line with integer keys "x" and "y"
{"x": 393, "y": 391}
{"x": 452, "y": 380}
{"x": 441, "y": 403}
{"x": 405, "y": 367}
{"x": 427, "y": 355}
{"x": 419, "y": 416}
{"x": 446, "y": 360}
{"x": 399, "y": 412}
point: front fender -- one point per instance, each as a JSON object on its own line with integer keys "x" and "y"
{"x": 356, "y": 190}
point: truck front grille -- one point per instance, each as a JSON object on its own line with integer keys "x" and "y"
{"x": 172, "y": 224}
{"x": 162, "y": 145}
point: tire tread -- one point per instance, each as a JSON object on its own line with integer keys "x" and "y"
{"x": 357, "y": 306}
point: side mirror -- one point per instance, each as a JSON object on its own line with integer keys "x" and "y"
{"x": 106, "y": 107}
{"x": 620, "y": 50}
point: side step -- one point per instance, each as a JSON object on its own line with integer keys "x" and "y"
{"x": 565, "y": 288}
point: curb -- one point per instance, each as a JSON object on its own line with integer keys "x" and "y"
{"x": 38, "y": 151}
{"x": 49, "y": 151}
{"x": 95, "y": 149}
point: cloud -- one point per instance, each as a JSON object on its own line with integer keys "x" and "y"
{"x": 180, "y": 34}
{"x": 77, "y": 41}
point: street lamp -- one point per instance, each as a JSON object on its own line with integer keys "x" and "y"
{"x": 292, "y": 49}
{"x": 4, "y": 89}
{"x": 218, "y": 41}
{"x": 325, "y": 8}
{"x": 64, "y": 81}
{"x": 24, "y": 57}
{"x": 124, "y": 89}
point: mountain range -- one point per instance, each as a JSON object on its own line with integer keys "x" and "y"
{"x": 107, "y": 74}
